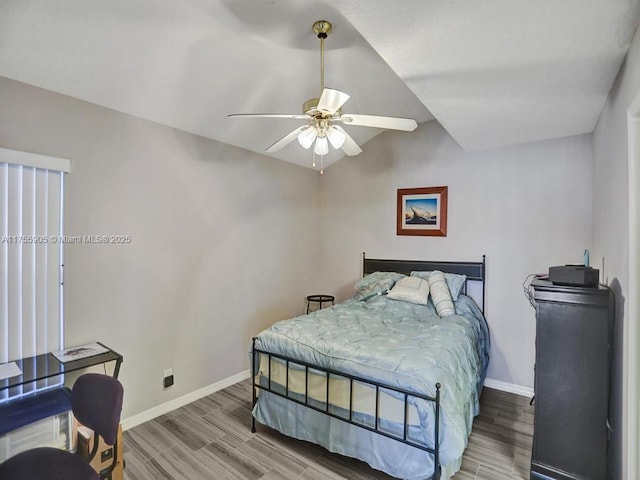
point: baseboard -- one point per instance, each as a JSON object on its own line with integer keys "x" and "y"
{"x": 166, "y": 407}
{"x": 509, "y": 387}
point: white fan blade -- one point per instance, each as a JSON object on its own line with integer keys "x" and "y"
{"x": 270, "y": 115}
{"x": 331, "y": 100}
{"x": 391, "y": 123}
{"x": 287, "y": 139}
{"x": 350, "y": 147}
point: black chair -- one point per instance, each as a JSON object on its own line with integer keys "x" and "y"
{"x": 96, "y": 401}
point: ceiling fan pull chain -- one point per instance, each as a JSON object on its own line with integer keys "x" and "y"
{"x": 321, "y": 162}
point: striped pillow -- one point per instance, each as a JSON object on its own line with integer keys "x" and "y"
{"x": 455, "y": 282}
{"x": 440, "y": 294}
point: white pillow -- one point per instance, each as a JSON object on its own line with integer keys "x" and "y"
{"x": 411, "y": 289}
{"x": 440, "y": 294}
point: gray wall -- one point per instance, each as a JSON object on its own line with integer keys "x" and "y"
{"x": 526, "y": 207}
{"x": 611, "y": 229}
{"x": 223, "y": 240}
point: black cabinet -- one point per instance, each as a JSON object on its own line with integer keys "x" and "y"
{"x": 574, "y": 328}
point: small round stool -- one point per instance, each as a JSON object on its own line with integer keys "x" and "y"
{"x": 320, "y": 299}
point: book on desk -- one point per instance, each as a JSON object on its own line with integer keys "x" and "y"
{"x": 79, "y": 352}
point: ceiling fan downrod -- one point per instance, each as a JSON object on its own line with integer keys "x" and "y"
{"x": 322, "y": 28}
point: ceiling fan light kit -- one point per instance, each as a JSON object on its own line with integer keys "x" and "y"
{"x": 322, "y": 146}
{"x": 336, "y": 137}
{"x": 323, "y": 112}
{"x": 306, "y": 137}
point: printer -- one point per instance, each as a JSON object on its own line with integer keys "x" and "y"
{"x": 574, "y": 275}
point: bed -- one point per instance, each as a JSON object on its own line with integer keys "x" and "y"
{"x": 384, "y": 376}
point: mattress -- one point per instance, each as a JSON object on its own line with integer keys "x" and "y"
{"x": 401, "y": 344}
{"x": 342, "y": 394}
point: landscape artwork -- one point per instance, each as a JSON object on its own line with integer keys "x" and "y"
{"x": 422, "y": 211}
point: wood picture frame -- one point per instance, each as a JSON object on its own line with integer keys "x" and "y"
{"x": 422, "y": 211}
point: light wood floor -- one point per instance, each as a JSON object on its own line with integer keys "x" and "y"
{"x": 211, "y": 439}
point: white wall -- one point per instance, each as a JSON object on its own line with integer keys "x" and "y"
{"x": 526, "y": 207}
{"x": 611, "y": 239}
{"x": 223, "y": 240}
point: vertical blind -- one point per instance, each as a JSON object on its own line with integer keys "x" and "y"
{"x": 31, "y": 257}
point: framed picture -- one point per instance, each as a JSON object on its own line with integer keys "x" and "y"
{"x": 422, "y": 211}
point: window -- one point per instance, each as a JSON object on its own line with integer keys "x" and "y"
{"x": 31, "y": 257}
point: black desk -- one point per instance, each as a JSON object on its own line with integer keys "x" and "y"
{"x": 46, "y": 366}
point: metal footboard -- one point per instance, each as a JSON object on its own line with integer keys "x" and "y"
{"x": 305, "y": 400}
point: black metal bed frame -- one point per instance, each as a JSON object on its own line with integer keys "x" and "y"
{"x": 474, "y": 271}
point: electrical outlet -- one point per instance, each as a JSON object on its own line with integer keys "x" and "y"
{"x": 167, "y": 380}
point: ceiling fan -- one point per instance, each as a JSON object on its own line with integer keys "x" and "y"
{"x": 324, "y": 113}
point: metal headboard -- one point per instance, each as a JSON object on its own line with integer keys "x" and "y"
{"x": 474, "y": 271}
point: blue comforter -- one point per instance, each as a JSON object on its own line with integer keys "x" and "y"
{"x": 402, "y": 344}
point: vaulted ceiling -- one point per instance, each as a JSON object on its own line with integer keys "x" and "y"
{"x": 493, "y": 73}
